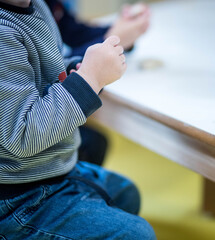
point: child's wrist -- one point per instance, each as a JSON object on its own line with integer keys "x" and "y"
{"x": 91, "y": 81}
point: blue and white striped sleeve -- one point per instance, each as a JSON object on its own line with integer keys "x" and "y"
{"x": 30, "y": 123}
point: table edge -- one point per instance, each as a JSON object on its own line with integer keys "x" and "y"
{"x": 175, "y": 124}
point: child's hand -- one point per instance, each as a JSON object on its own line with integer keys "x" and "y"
{"x": 134, "y": 10}
{"x": 132, "y": 23}
{"x": 103, "y": 63}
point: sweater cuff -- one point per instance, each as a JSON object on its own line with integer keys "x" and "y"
{"x": 84, "y": 95}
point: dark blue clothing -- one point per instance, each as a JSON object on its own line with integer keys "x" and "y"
{"x": 77, "y": 35}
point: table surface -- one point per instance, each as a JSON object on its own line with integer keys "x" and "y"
{"x": 180, "y": 93}
{"x": 170, "y": 109}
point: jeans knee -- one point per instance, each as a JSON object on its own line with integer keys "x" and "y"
{"x": 147, "y": 233}
{"x": 141, "y": 231}
{"x": 129, "y": 200}
{"x": 136, "y": 200}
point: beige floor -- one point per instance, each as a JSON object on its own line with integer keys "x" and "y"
{"x": 171, "y": 194}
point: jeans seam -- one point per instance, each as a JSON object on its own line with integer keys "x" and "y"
{"x": 19, "y": 221}
{"x": 31, "y": 209}
{"x": 35, "y": 206}
{"x": 2, "y": 237}
{"x": 8, "y": 205}
{"x": 39, "y": 230}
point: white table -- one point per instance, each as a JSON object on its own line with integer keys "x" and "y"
{"x": 171, "y": 109}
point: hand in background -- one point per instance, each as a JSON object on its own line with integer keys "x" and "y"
{"x": 103, "y": 63}
{"x": 132, "y": 23}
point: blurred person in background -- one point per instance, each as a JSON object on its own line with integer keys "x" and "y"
{"x": 132, "y": 22}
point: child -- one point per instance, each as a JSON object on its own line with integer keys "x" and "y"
{"x": 44, "y": 193}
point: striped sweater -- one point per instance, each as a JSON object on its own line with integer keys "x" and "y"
{"x": 39, "y": 133}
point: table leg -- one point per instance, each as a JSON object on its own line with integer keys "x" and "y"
{"x": 209, "y": 196}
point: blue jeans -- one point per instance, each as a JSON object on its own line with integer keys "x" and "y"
{"x": 69, "y": 208}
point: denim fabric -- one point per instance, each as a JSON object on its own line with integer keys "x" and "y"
{"x": 71, "y": 209}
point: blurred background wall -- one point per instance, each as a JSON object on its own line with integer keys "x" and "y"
{"x": 95, "y": 8}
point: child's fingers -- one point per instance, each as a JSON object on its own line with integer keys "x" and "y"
{"x": 78, "y": 65}
{"x": 125, "y": 11}
{"x": 137, "y": 10}
{"x": 120, "y": 50}
{"x": 123, "y": 59}
{"x": 112, "y": 40}
{"x": 72, "y": 70}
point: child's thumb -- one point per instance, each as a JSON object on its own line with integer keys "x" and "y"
{"x": 112, "y": 40}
